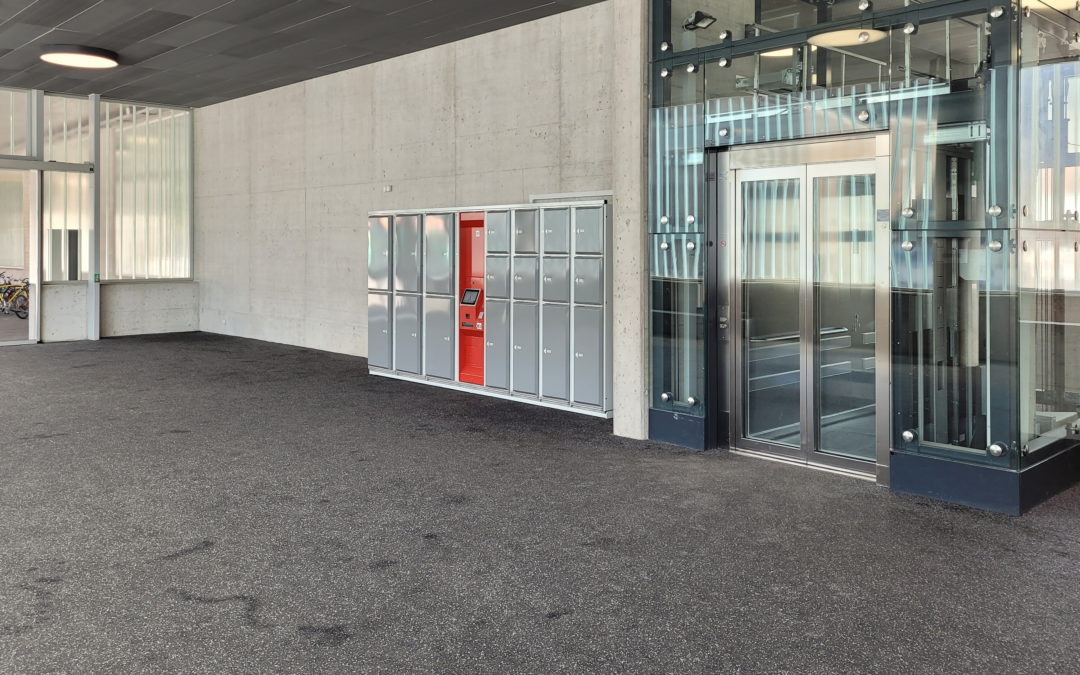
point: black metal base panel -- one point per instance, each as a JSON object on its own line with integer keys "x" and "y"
{"x": 984, "y": 487}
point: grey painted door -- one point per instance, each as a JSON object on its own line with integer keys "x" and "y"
{"x": 526, "y": 352}
{"x": 589, "y": 230}
{"x": 556, "y": 231}
{"x": 439, "y": 337}
{"x": 589, "y": 281}
{"x": 498, "y": 277}
{"x": 497, "y": 344}
{"x": 555, "y": 352}
{"x": 380, "y": 348}
{"x": 407, "y": 333}
{"x": 379, "y": 253}
{"x": 526, "y": 278}
{"x": 525, "y": 231}
{"x": 438, "y": 254}
{"x": 406, "y": 251}
{"x": 498, "y": 232}
{"x": 556, "y": 280}
{"x": 589, "y": 355}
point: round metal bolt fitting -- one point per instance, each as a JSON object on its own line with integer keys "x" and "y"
{"x": 908, "y": 212}
{"x": 691, "y": 400}
{"x": 723, "y": 133}
{"x": 996, "y": 12}
{"x": 691, "y": 67}
{"x": 664, "y": 220}
{"x": 908, "y": 246}
{"x": 664, "y": 72}
{"x": 664, "y": 246}
{"x": 908, "y": 436}
{"x": 665, "y": 397}
{"x": 664, "y": 46}
{"x": 690, "y": 220}
{"x": 690, "y": 246}
{"x": 864, "y": 115}
{"x": 996, "y": 246}
{"x": 864, "y": 5}
{"x": 994, "y": 211}
{"x": 723, "y": 62}
{"x": 996, "y": 449}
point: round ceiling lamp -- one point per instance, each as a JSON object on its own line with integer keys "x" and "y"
{"x": 79, "y": 56}
{"x": 850, "y": 37}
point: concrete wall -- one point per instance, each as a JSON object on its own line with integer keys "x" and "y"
{"x": 63, "y": 312}
{"x": 147, "y": 308}
{"x": 284, "y": 179}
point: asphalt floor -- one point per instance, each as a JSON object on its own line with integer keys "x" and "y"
{"x": 204, "y": 504}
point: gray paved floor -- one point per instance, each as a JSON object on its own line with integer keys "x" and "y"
{"x": 204, "y": 504}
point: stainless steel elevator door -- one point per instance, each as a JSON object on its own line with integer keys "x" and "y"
{"x": 807, "y": 271}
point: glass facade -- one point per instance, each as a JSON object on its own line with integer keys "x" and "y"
{"x": 975, "y": 109}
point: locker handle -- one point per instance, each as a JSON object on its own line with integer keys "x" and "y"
{"x": 446, "y": 338}
{"x": 579, "y": 280}
{"x": 491, "y": 344}
{"x": 579, "y": 355}
{"x": 491, "y": 276}
{"x": 517, "y": 348}
{"x": 547, "y": 279}
{"x": 518, "y": 277}
{"x": 547, "y": 351}
{"x": 413, "y": 334}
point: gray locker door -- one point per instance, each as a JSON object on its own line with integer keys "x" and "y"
{"x": 438, "y": 254}
{"x": 407, "y": 254}
{"x": 526, "y": 352}
{"x": 497, "y": 344}
{"x": 498, "y": 232}
{"x": 378, "y": 265}
{"x": 589, "y": 281}
{"x": 589, "y": 355}
{"x": 407, "y": 333}
{"x": 526, "y": 278}
{"x": 589, "y": 229}
{"x": 498, "y": 277}
{"x": 380, "y": 348}
{"x": 439, "y": 326}
{"x": 555, "y": 352}
{"x": 525, "y": 232}
{"x": 556, "y": 231}
{"x": 556, "y": 281}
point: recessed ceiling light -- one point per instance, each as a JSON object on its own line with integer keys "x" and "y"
{"x": 784, "y": 51}
{"x": 851, "y": 37}
{"x": 79, "y": 56}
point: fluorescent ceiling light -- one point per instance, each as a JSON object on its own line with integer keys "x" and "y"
{"x": 79, "y": 56}
{"x": 785, "y": 51}
{"x": 851, "y": 37}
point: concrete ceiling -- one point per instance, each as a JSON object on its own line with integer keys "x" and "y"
{"x": 199, "y": 52}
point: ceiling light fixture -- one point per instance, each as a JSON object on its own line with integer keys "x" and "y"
{"x": 784, "y": 51}
{"x": 850, "y": 37}
{"x": 699, "y": 20}
{"x": 79, "y": 56}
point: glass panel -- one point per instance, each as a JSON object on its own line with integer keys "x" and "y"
{"x": 145, "y": 192}
{"x": 67, "y": 129}
{"x": 789, "y": 14}
{"x": 16, "y": 200}
{"x": 1049, "y": 342}
{"x": 844, "y": 267}
{"x": 954, "y": 354}
{"x": 14, "y": 122}
{"x": 67, "y": 224}
{"x": 698, "y": 23}
{"x": 678, "y": 346}
{"x": 772, "y": 249}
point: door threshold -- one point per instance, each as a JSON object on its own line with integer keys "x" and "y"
{"x": 869, "y": 475}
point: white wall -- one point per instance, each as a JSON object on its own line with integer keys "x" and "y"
{"x": 284, "y": 179}
{"x": 148, "y": 308}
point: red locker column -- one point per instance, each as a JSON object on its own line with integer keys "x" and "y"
{"x": 471, "y": 303}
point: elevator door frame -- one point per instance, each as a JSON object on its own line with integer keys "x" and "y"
{"x": 808, "y": 160}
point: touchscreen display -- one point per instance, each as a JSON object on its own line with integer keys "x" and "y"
{"x": 471, "y": 296}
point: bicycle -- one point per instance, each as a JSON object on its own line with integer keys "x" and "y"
{"x": 14, "y": 296}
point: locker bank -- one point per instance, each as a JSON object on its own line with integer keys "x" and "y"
{"x": 507, "y": 301}
{"x": 865, "y": 247}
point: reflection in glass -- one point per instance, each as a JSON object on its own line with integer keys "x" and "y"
{"x": 844, "y": 267}
{"x": 772, "y": 247}
{"x": 14, "y": 121}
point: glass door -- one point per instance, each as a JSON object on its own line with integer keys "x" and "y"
{"x": 18, "y": 256}
{"x": 808, "y": 275}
